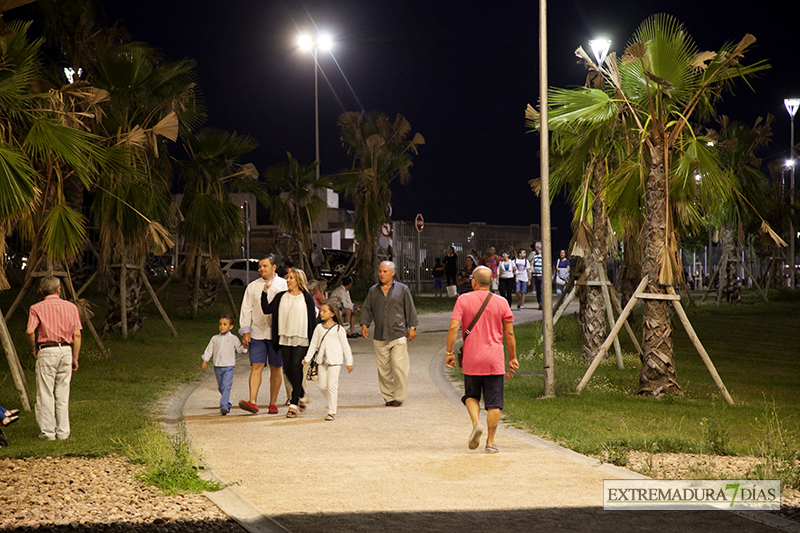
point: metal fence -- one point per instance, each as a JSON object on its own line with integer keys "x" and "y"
{"x": 413, "y": 249}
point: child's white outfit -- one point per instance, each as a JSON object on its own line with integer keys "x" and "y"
{"x": 224, "y": 348}
{"x": 332, "y": 350}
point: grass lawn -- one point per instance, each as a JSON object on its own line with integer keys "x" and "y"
{"x": 754, "y": 348}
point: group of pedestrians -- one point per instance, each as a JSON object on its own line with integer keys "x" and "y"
{"x": 285, "y": 328}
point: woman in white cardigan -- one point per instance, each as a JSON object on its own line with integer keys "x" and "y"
{"x": 329, "y": 345}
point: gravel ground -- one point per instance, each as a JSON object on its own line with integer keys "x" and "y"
{"x": 99, "y": 494}
{"x": 698, "y": 466}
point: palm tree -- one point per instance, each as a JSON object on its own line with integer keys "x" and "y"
{"x": 150, "y": 101}
{"x": 381, "y": 152}
{"x": 659, "y": 85}
{"x": 298, "y": 205}
{"x": 211, "y": 221}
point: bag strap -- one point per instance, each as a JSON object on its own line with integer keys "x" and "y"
{"x": 477, "y": 316}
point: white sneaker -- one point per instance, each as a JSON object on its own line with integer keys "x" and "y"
{"x": 475, "y": 436}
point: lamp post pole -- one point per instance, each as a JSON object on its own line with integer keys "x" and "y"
{"x": 316, "y": 107}
{"x": 791, "y": 106}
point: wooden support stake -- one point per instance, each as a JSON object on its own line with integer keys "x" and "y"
{"x": 158, "y": 304}
{"x": 87, "y": 320}
{"x": 631, "y": 334}
{"x": 123, "y": 294}
{"x": 25, "y": 287}
{"x": 13, "y": 362}
{"x": 88, "y": 282}
{"x": 761, "y": 292}
{"x": 610, "y": 316}
{"x": 198, "y": 258}
{"x": 601, "y": 352}
{"x": 700, "y": 349}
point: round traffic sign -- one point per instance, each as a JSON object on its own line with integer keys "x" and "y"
{"x": 386, "y": 229}
{"x": 419, "y": 222}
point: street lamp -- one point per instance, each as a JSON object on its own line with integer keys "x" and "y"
{"x": 791, "y": 106}
{"x": 322, "y": 41}
{"x": 600, "y": 48}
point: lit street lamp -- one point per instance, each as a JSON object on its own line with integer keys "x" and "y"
{"x": 791, "y": 106}
{"x": 600, "y": 49}
{"x": 322, "y": 42}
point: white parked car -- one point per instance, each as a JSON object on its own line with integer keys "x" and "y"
{"x": 235, "y": 270}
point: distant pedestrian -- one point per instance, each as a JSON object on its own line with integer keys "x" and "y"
{"x": 523, "y": 275}
{"x": 561, "y": 274}
{"x": 294, "y": 318}
{"x": 317, "y": 260}
{"x": 507, "y": 271}
{"x": 54, "y": 335}
{"x": 223, "y": 348}
{"x": 390, "y": 306}
{"x": 330, "y": 347}
{"x": 341, "y": 295}
{"x": 465, "y": 275}
{"x": 483, "y": 362}
{"x": 451, "y": 266}
{"x": 492, "y": 260}
{"x": 536, "y": 271}
{"x": 438, "y": 275}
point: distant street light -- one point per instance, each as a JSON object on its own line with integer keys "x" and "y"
{"x": 323, "y": 41}
{"x": 600, "y": 48}
{"x": 791, "y": 106}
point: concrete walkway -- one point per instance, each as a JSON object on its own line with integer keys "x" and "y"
{"x": 378, "y": 468}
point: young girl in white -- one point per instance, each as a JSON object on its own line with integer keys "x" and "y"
{"x": 331, "y": 348}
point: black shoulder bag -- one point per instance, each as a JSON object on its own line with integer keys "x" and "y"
{"x": 460, "y": 354}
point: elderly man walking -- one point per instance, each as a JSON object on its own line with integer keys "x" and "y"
{"x": 54, "y": 335}
{"x": 483, "y": 362}
{"x": 390, "y": 306}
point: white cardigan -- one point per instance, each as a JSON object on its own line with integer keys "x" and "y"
{"x": 335, "y": 347}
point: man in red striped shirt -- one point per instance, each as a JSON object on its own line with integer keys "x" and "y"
{"x": 54, "y": 335}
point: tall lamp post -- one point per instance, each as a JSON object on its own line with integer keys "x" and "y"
{"x": 791, "y": 106}
{"x": 323, "y": 41}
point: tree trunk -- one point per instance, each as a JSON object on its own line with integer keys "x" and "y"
{"x": 657, "y": 375}
{"x": 209, "y": 283}
{"x": 133, "y": 287}
{"x": 594, "y": 318}
{"x": 731, "y": 291}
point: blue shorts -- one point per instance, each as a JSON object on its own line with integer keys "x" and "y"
{"x": 262, "y": 352}
{"x": 437, "y": 283}
{"x": 492, "y": 387}
{"x": 522, "y": 286}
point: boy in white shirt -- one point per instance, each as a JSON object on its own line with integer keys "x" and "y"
{"x": 223, "y": 349}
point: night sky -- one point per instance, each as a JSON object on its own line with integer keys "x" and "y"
{"x": 460, "y": 72}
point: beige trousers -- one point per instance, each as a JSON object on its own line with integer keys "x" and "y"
{"x": 53, "y": 378}
{"x": 393, "y": 365}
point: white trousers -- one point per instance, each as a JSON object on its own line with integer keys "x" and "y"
{"x": 393, "y": 365}
{"x": 328, "y": 382}
{"x": 53, "y": 378}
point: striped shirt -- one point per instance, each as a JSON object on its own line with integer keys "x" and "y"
{"x": 55, "y": 320}
{"x": 537, "y": 265}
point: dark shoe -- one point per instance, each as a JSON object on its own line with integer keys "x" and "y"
{"x": 224, "y": 412}
{"x": 393, "y": 403}
{"x": 248, "y": 406}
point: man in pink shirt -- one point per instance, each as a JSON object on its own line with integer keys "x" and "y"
{"x": 54, "y": 335}
{"x": 483, "y": 362}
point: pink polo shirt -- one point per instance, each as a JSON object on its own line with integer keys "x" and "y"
{"x": 54, "y": 319}
{"x": 483, "y": 349}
